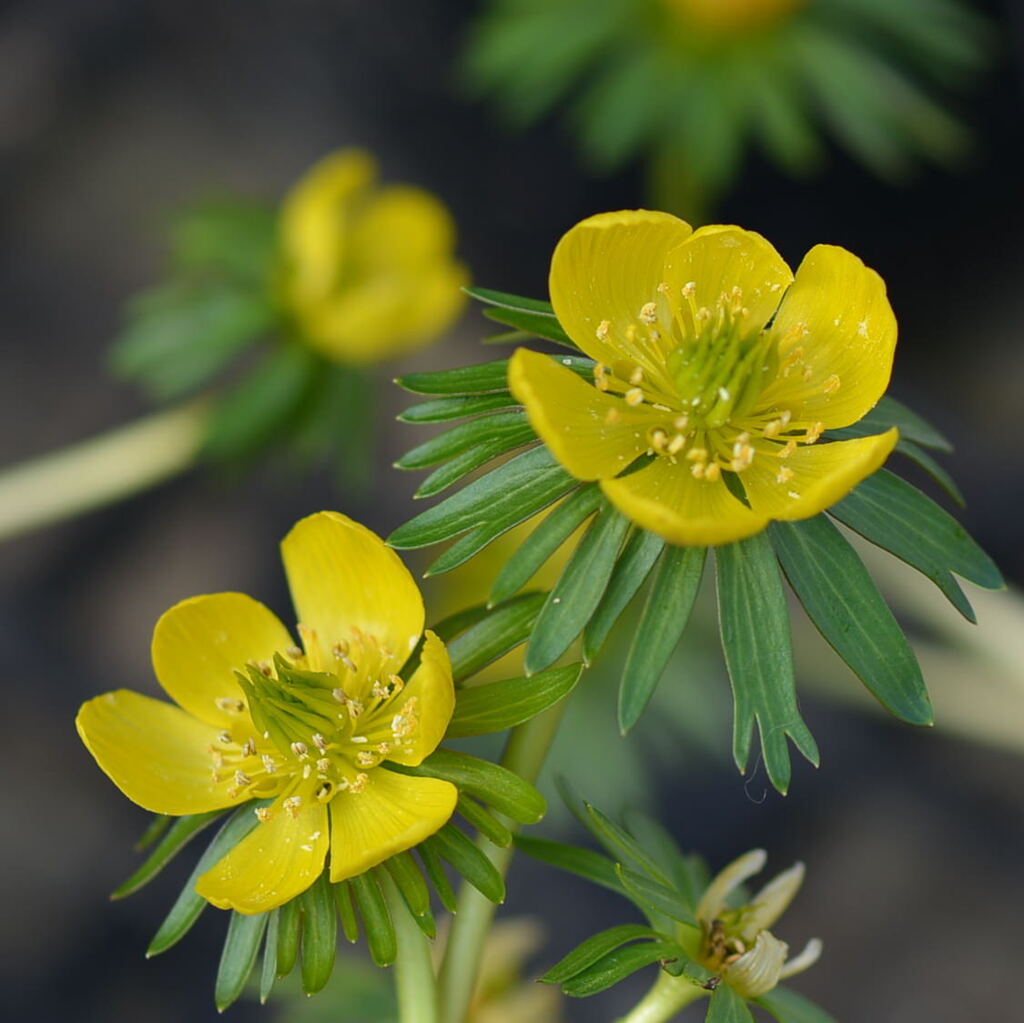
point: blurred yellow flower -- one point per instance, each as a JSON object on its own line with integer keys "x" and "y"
{"x": 368, "y": 271}
{"x": 311, "y": 728}
{"x": 733, "y": 15}
{"x": 714, "y": 360}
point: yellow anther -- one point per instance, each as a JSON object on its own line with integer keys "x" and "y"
{"x": 698, "y": 469}
{"x": 359, "y": 782}
{"x": 324, "y": 792}
{"x": 300, "y": 749}
{"x": 365, "y": 759}
{"x": 689, "y": 289}
{"x": 611, "y": 417}
{"x": 249, "y": 748}
{"x": 814, "y": 433}
{"x": 229, "y": 704}
{"x": 216, "y": 777}
{"x": 771, "y": 429}
{"x": 831, "y": 385}
{"x": 397, "y": 684}
{"x": 697, "y": 455}
{"x": 785, "y": 474}
{"x": 242, "y": 779}
{"x": 676, "y": 444}
{"x": 649, "y": 313}
{"x": 601, "y": 383}
{"x": 681, "y": 422}
{"x": 319, "y": 741}
{"x": 340, "y": 695}
{"x": 788, "y": 449}
{"x": 664, "y": 288}
{"x": 269, "y": 763}
{"x": 294, "y": 652}
{"x": 602, "y": 330}
{"x": 263, "y": 814}
{"x": 634, "y": 396}
{"x": 659, "y": 438}
{"x": 224, "y": 737}
{"x": 637, "y": 376}
{"x": 292, "y": 805}
{"x": 807, "y": 374}
{"x": 384, "y": 748}
{"x": 713, "y": 472}
{"x": 323, "y": 765}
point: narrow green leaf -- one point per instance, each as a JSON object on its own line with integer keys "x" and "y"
{"x": 487, "y": 825}
{"x": 535, "y": 324}
{"x": 665, "y": 614}
{"x": 578, "y": 591}
{"x": 594, "y": 948}
{"x": 618, "y": 965}
{"x": 652, "y": 895}
{"x": 620, "y": 843}
{"x": 169, "y": 846}
{"x": 238, "y": 957}
{"x": 380, "y": 931}
{"x": 479, "y": 379}
{"x": 469, "y": 861}
{"x": 506, "y": 301}
{"x": 480, "y": 710}
{"x": 789, "y": 1007}
{"x": 472, "y": 458}
{"x": 726, "y": 1006}
{"x": 591, "y": 866}
{"x": 921, "y": 458}
{"x": 414, "y": 891}
{"x": 268, "y": 972}
{"x": 189, "y": 903}
{"x": 346, "y": 911}
{"x": 896, "y": 516}
{"x": 631, "y": 570}
{"x": 154, "y": 831}
{"x": 890, "y": 412}
{"x": 319, "y": 935}
{"x": 841, "y": 599}
{"x": 549, "y": 535}
{"x": 289, "y": 933}
{"x": 438, "y": 878}
{"x": 754, "y": 623}
{"x": 492, "y": 636}
{"x": 440, "y": 410}
{"x": 509, "y": 426}
{"x": 687, "y": 873}
{"x": 448, "y": 628}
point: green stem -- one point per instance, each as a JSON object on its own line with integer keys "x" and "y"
{"x": 100, "y": 470}
{"x": 414, "y": 970}
{"x": 525, "y": 753}
{"x": 669, "y": 996}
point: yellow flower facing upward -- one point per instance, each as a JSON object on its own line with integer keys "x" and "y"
{"x": 312, "y": 727}
{"x": 718, "y": 362}
{"x": 733, "y": 16}
{"x": 369, "y": 272}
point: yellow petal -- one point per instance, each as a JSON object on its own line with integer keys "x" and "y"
{"x": 838, "y": 313}
{"x": 314, "y": 221}
{"x": 608, "y": 267}
{"x": 432, "y": 688}
{"x": 154, "y": 752}
{"x": 200, "y": 643}
{"x": 342, "y": 575}
{"x": 719, "y": 258}
{"x": 821, "y": 475}
{"x": 572, "y": 417}
{"x": 276, "y": 861}
{"x": 401, "y": 227}
{"x": 392, "y": 813}
{"x": 669, "y": 501}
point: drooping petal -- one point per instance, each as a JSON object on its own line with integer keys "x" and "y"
{"x": 810, "y": 954}
{"x": 719, "y": 258}
{"x": 430, "y": 694}
{"x": 772, "y": 900}
{"x": 608, "y": 267}
{"x": 392, "y": 813}
{"x": 154, "y": 752}
{"x": 756, "y": 972}
{"x": 593, "y": 434}
{"x": 812, "y": 478}
{"x": 838, "y": 313}
{"x": 669, "y": 501}
{"x": 342, "y": 575}
{"x": 401, "y": 227}
{"x": 729, "y": 878}
{"x": 276, "y": 861}
{"x": 200, "y": 643}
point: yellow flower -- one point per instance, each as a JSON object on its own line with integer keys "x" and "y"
{"x": 311, "y": 728}
{"x": 368, "y": 271}
{"x": 715, "y": 360}
{"x": 729, "y": 16}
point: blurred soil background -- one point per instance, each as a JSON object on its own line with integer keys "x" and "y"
{"x": 113, "y": 113}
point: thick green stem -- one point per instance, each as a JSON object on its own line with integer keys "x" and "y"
{"x": 100, "y": 470}
{"x": 669, "y": 996}
{"x": 414, "y": 970}
{"x": 525, "y": 752}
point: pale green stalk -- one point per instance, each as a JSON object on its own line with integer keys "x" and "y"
{"x": 525, "y": 753}
{"x": 668, "y": 997}
{"x": 101, "y": 470}
{"x": 414, "y": 969}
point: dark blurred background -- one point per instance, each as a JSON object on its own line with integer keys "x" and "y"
{"x": 113, "y": 113}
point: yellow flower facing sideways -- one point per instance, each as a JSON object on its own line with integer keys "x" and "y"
{"x": 368, "y": 271}
{"x": 720, "y": 364}
{"x": 311, "y": 727}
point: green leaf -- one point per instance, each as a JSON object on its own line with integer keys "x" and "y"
{"x": 189, "y": 903}
{"x": 727, "y": 1006}
{"x": 238, "y": 957}
{"x": 506, "y": 301}
{"x": 629, "y": 574}
{"x": 509, "y": 426}
{"x": 496, "y": 633}
{"x": 535, "y": 324}
{"x": 896, "y": 516}
{"x": 380, "y": 931}
{"x": 441, "y": 410}
{"x": 687, "y": 873}
{"x": 438, "y": 878}
{"x": 619, "y": 842}
{"x": 594, "y": 948}
{"x": 618, "y": 965}
{"x": 319, "y": 935}
{"x": 789, "y": 1007}
{"x": 183, "y": 829}
{"x": 289, "y": 933}
{"x": 578, "y": 591}
{"x": 154, "y": 831}
{"x": 591, "y": 866}
{"x": 544, "y": 540}
{"x": 841, "y": 599}
{"x": 652, "y": 895}
{"x": 487, "y": 825}
{"x": 664, "y": 617}
{"x": 268, "y": 972}
{"x": 469, "y": 861}
{"x": 226, "y": 238}
{"x": 754, "y": 623}
{"x": 346, "y": 911}
{"x": 413, "y": 889}
{"x": 472, "y": 458}
{"x": 890, "y": 412}
{"x": 480, "y": 710}
{"x": 921, "y": 458}
{"x": 480, "y": 379}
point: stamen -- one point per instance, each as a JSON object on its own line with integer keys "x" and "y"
{"x": 324, "y": 792}
{"x": 634, "y": 396}
{"x": 637, "y": 376}
{"x": 359, "y": 782}
{"x": 249, "y": 749}
{"x": 300, "y": 749}
{"x": 242, "y": 779}
{"x": 611, "y": 417}
{"x": 832, "y": 385}
{"x": 713, "y": 473}
{"x": 602, "y": 330}
{"x": 676, "y": 444}
{"x": 229, "y": 704}
{"x": 263, "y": 814}
{"x": 697, "y": 455}
{"x": 323, "y": 765}
{"x": 292, "y": 805}
{"x": 269, "y": 763}
{"x": 365, "y": 759}
{"x": 649, "y": 313}
{"x": 294, "y": 652}
{"x": 785, "y": 474}
{"x": 814, "y": 433}
{"x": 319, "y": 741}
